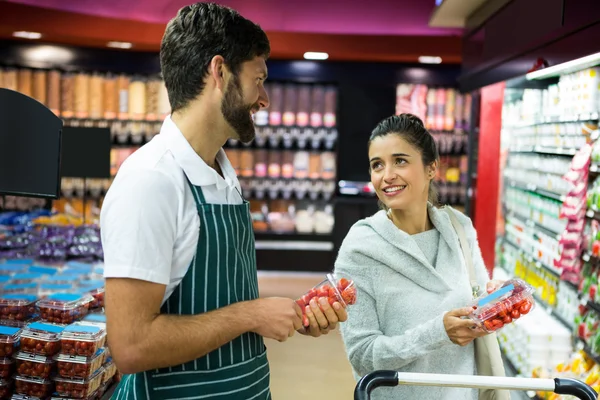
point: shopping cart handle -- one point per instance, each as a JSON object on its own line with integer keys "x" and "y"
{"x": 574, "y": 388}
{"x": 374, "y": 380}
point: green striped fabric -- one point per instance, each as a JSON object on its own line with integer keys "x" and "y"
{"x": 222, "y": 272}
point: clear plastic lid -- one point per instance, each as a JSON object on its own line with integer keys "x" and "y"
{"x": 95, "y": 318}
{"x": 4, "y": 279}
{"x": 37, "y": 358}
{"x": 4, "y": 383}
{"x": 27, "y": 276}
{"x": 100, "y": 354}
{"x": 20, "y": 288}
{"x": 43, "y": 331}
{"x": 7, "y": 269}
{"x": 42, "y": 269}
{"x": 93, "y": 284}
{"x": 9, "y": 334}
{"x": 20, "y": 261}
{"x": 62, "y": 279}
{"x": 38, "y": 381}
{"x": 65, "y": 301}
{"x": 83, "y": 332}
{"x": 17, "y": 300}
{"x": 6, "y": 361}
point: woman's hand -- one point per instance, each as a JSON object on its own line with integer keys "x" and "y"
{"x": 461, "y": 331}
{"x": 494, "y": 285}
{"x": 323, "y": 317}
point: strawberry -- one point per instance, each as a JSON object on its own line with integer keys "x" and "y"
{"x": 349, "y": 295}
{"x": 343, "y": 284}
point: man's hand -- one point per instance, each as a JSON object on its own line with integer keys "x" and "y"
{"x": 494, "y": 285}
{"x": 323, "y": 317}
{"x": 276, "y": 318}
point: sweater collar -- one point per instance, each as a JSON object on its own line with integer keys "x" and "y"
{"x": 428, "y": 277}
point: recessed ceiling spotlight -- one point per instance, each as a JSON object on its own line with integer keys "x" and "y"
{"x": 27, "y": 35}
{"x": 315, "y": 55}
{"x": 120, "y": 45}
{"x": 430, "y": 60}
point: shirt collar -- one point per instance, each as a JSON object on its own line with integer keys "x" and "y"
{"x": 197, "y": 171}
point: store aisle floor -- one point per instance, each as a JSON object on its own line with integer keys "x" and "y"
{"x": 304, "y": 367}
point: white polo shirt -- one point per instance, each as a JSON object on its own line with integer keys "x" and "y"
{"x": 149, "y": 222}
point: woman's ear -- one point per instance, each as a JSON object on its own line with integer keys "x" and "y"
{"x": 432, "y": 169}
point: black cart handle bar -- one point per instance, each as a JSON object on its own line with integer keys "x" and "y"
{"x": 392, "y": 378}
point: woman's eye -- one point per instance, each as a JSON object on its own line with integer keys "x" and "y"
{"x": 400, "y": 161}
{"x": 376, "y": 166}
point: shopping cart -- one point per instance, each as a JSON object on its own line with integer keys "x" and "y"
{"x": 392, "y": 378}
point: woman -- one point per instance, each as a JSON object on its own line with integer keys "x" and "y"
{"x": 407, "y": 264}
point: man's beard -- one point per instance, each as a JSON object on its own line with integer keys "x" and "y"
{"x": 236, "y": 113}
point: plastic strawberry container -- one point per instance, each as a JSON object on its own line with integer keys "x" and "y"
{"x": 78, "y": 388}
{"x": 9, "y": 340}
{"x": 41, "y": 388}
{"x": 64, "y": 308}
{"x": 28, "y": 277}
{"x": 48, "y": 289}
{"x": 82, "y": 340}
{"x": 342, "y": 291}
{"x": 97, "y": 395}
{"x": 41, "y": 338}
{"x": 5, "y": 389}
{"x": 109, "y": 370}
{"x": 493, "y": 311}
{"x": 19, "y": 307}
{"x": 95, "y": 289}
{"x": 7, "y": 368}
{"x": 21, "y": 288}
{"x": 76, "y": 367}
{"x": 35, "y": 365}
{"x": 10, "y": 269}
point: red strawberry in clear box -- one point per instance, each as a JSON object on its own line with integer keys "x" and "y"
{"x": 593, "y": 292}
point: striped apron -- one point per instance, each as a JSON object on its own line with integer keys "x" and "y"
{"x": 222, "y": 272}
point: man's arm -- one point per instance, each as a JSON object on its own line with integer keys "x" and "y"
{"x": 141, "y": 339}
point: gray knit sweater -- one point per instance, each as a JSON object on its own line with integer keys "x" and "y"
{"x": 397, "y": 321}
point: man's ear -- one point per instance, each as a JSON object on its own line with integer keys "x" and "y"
{"x": 218, "y": 71}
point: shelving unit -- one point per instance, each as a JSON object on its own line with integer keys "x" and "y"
{"x": 533, "y": 241}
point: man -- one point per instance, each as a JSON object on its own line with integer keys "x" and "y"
{"x": 184, "y": 317}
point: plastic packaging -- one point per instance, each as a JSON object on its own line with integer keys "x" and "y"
{"x": 35, "y": 366}
{"x": 507, "y": 304}
{"x": 18, "y": 307}
{"x": 41, "y": 388}
{"x": 64, "y": 308}
{"x": 79, "y": 367}
{"x": 110, "y": 370}
{"x": 41, "y": 338}
{"x": 26, "y": 288}
{"x": 343, "y": 292}
{"x": 82, "y": 340}
{"x": 7, "y": 368}
{"x": 22, "y": 279}
{"x": 5, "y": 389}
{"x": 95, "y": 319}
{"x": 78, "y": 388}
{"x": 9, "y": 340}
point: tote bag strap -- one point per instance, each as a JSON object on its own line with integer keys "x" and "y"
{"x": 464, "y": 244}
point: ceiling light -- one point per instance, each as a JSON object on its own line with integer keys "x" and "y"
{"x": 430, "y": 60}
{"x": 120, "y": 45}
{"x": 564, "y": 68}
{"x": 315, "y": 55}
{"x": 27, "y": 35}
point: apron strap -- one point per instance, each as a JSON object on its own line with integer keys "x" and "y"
{"x": 197, "y": 192}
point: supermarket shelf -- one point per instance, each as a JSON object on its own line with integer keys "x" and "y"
{"x": 593, "y": 214}
{"x": 533, "y": 188}
{"x": 109, "y": 392}
{"x": 537, "y": 263}
{"x": 303, "y": 245}
{"x": 550, "y": 310}
{"x": 553, "y": 151}
{"x": 291, "y": 236}
{"x": 533, "y": 224}
{"x": 558, "y": 119}
{"x": 594, "y": 306}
